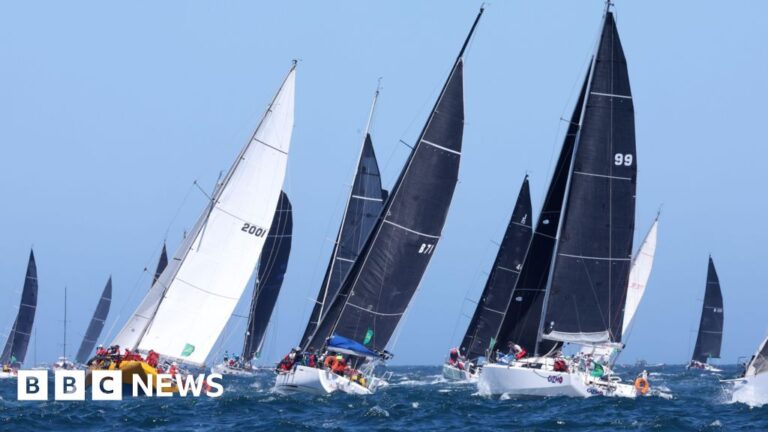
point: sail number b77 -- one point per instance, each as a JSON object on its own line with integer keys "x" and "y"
{"x": 253, "y": 229}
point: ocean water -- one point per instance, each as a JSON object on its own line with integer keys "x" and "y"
{"x": 418, "y": 399}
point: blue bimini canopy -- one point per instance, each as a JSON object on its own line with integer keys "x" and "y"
{"x": 343, "y": 345}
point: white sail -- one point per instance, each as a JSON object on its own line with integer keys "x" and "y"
{"x": 642, "y": 263}
{"x": 184, "y": 313}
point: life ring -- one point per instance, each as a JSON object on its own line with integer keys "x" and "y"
{"x": 642, "y": 385}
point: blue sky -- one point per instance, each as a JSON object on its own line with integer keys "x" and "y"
{"x": 109, "y": 112}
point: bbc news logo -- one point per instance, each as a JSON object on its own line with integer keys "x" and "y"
{"x": 69, "y": 385}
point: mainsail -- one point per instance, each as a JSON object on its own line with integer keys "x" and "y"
{"x": 588, "y": 282}
{"x": 15, "y": 350}
{"x": 523, "y": 314}
{"x": 96, "y": 325}
{"x": 183, "y": 314}
{"x": 642, "y": 263}
{"x": 384, "y": 278}
{"x": 501, "y": 282}
{"x": 758, "y": 364}
{"x": 364, "y": 205}
{"x": 273, "y": 264}
{"x": 710, "y": 336}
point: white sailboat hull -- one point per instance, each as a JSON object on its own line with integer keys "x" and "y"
{"x": 452, "y": 373}
{"x": 518, "y": 380}
{"x": 305, "y": 379}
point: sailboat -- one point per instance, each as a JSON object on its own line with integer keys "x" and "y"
{"x": 710, "y": 335}
{"x": 186, "y": 309}
{"x": 15, "y": 350}
{"x": 463, "y": 361}
{"x": 63, "y": 363}
{"x": 573, "y": 284}
{"x": 364, "y": 203}
{"x": 273, "y": 264}
{"x": 353, "y": 334}
{"x": 96, "y": 326}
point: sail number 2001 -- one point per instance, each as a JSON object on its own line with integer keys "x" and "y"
{"x": 253, "y": 229}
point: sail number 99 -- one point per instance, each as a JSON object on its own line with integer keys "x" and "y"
{"x": 253, "y": 229}
{"x": 426, "y": 248}
{"x": 623, "y": 159}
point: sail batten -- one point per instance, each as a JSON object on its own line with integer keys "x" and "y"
{"x": 273, "y": 264}
{"x": 96, "y": 325}
{"x": 194, "y": 297}
{"x": 497, "y": 293}
{"x": 15, "y": 350}
{"x": 710, "y": 335}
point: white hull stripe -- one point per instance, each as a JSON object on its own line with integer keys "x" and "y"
{"x": 411, "y": 231}
{"x": 441, "y": 147}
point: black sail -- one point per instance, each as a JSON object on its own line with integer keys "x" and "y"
{"x": 588, "y": 285}
{"x": 523, "y": 315}
{"x": 162, "y": 263}
{"x": 710, "y": 336}
{"x": 363, "y": 209}
{"x": 15, "y": 350}
{"x": 273, "y": 264}
{"x": 378, "y": 289}
{"x": 501, "y": 282}
{"x": 96, "y": 325}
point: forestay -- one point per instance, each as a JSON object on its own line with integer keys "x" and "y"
{"x": 185, "y": 311}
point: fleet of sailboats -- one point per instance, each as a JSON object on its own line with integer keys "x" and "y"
{"x": 569, "y": 282}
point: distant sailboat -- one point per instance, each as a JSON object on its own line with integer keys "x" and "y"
{"x": 184, "y": 312}
{"x": 488, "y": 316}
{"x": 273, "y": 264}
{"x": 15, "y": 350}
{"x": 584, "y": 262}
{"x": 96, "y": 326}
{"x": 710, "y": 335}
{"x": 374, "y": 296}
